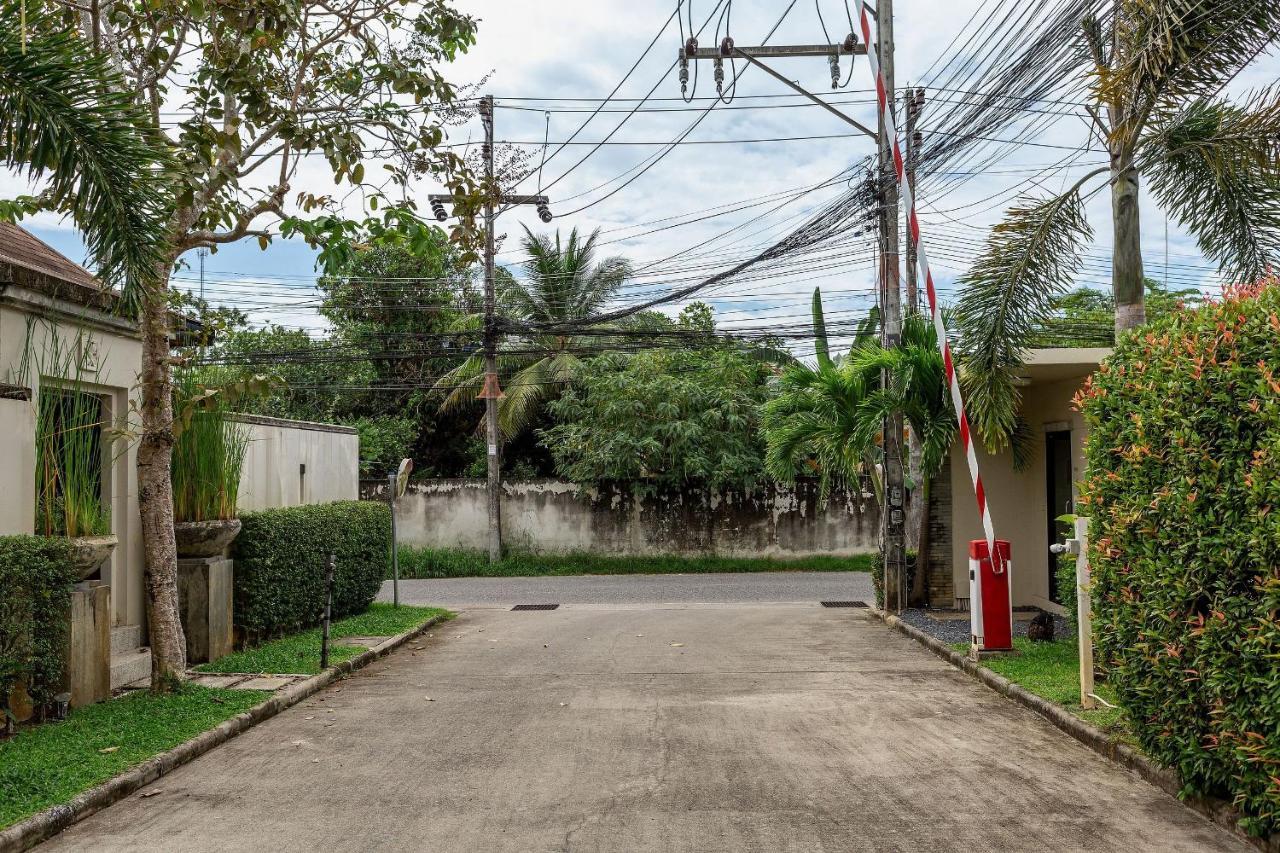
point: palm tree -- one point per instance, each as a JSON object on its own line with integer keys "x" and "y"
{"x": 1156, "y": 70}
{"x": 66, "y": 116}
{"x": 828, "y": 419}
{"x": 563, "y": 283}
{"x": 814, "y": 422}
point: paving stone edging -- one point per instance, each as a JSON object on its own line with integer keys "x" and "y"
{"x": 44, "y": 825}
{"x": 1218, "y": 811}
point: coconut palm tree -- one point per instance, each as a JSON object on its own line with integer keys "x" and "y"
{"x": 563, "y": 283}
{"x": 1156, "y": 69}
{"x": 67, "y": 117}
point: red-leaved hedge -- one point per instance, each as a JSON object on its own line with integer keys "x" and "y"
{"x": 1183, "y": 485}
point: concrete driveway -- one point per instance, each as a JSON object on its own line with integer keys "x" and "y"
{"x": 654, "y": 727}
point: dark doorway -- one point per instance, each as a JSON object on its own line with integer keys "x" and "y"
{"x": 1057, "y": 469}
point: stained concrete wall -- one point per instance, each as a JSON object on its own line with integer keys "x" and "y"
{"x": 290, "y": 463}
{"x": 556, "y": 517}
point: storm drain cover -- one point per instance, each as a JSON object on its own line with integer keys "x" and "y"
{"x": 844, "y": 604}
{"x": 535, "y": 607}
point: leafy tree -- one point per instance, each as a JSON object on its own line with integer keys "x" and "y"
{"x": 666, "y": 417}
{"x": 262, "y": 86}
{"x": 1083, "y": 317}
{"x": 1156, "y": 70}
{"x": 563, "y": 282}
{"x": 67, "y": 117}
{"x": 402, "y": 306}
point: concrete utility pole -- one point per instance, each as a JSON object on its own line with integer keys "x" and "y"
{"x": 891, "y": 316}
{"x": 914, "y": 103}
{"x": 491, "y": 391}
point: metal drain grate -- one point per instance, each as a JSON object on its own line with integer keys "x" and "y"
{"x": 535, "y": 607}
{"x": 844, "y": 604}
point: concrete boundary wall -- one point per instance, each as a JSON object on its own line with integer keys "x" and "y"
{"x": 557, "y": 517}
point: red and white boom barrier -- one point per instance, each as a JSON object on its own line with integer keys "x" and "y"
{"x": 999, "y": 565}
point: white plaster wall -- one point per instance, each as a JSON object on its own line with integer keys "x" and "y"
{"x": 273, "y": 475}
{"x": 17, "y": 467}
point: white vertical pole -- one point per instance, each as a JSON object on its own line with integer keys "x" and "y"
{"x": 1084, "y": 615}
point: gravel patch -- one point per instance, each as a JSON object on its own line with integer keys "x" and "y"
{"x": 957, "y": 630}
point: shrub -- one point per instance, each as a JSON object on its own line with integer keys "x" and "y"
{"x": 36, "y": 576}
{"x": 280, "y": 559}
{"x": 1183, "y": 484}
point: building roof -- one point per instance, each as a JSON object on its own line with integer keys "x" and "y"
{"x": 28, "y": 261}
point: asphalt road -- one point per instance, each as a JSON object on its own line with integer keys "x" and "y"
{"x": 755, "y": 587}
{"x": 698, "y": 727}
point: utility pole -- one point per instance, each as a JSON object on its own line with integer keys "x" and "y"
{"x": 891, "y": 304}
{"x": 202, "y": 253}
{"x": 491, "y": 392}
{"x": 894, "y": 519}
{"x": 916, "y": 509}
{"x": 914, "y": 103}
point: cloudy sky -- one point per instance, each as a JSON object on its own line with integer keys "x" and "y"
{"x": 741, "y": 179}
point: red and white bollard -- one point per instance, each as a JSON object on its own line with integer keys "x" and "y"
{"x": 990, "y": 605}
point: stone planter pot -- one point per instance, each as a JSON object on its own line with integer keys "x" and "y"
{"x": 90, "y": 552}
{"x": 205, "y": 538}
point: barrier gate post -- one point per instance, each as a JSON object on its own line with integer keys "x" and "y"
{"x": 990, "y": 604}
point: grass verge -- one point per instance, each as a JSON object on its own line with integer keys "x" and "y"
{"x": 1052, "y": 671}
{"x": 448, "y": 563}
{"x": 47, "y": 765}
{"x": 300, "y": 653}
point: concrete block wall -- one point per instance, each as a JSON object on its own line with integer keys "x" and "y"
{"x": 557, "y": 517}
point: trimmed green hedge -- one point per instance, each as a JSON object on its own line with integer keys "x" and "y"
{"x": 36, "y": 576}
{"x": 280, "y": 559}
{"x": 1183, "y": 485}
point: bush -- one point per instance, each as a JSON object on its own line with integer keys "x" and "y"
{"x": 1183, "y": 484}
{"x": 36, "y": 576}
{"x": 280, "y": 559}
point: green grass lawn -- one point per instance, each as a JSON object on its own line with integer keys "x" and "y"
{"x": 1052, "y": 671}
{"x": 46, "y": 765}
{"x": 445, "y": 563}
{"x": 300, "y": 653}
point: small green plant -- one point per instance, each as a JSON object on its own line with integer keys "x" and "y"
{"x": 208, "y": 452}
{"x": 71, "y": 432}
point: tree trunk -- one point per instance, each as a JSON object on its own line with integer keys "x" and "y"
{"x": 155, "y": 492}
{"x": 919, "y": 596}
{"x": 1126, "y": 256}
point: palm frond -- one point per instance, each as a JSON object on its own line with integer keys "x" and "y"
{"x": 66, "y": 116}
{"x": 1029, "y": 259}
{"x": 1169, "y": 50}
{"x": 1215, "y": 167}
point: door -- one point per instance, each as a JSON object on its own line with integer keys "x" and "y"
{"x": 1057, "y": 467}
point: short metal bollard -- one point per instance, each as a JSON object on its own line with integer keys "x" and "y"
{"x": 328, "y": 612}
